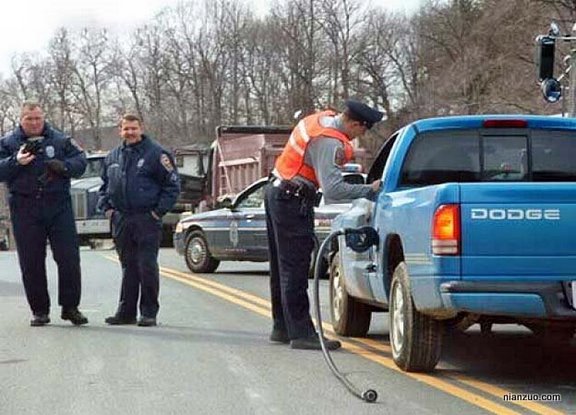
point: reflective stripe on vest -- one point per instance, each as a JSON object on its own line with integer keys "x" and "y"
{"x": 291, "y": 162}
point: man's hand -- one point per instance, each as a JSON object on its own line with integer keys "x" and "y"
{"x": 376, "y": 185}
{"x": 23, "y": 157}
{"x": 109, "y": 213}
{"x": 56, "y": 166}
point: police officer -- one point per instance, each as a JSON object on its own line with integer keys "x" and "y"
{"x": 37, "y": 162}
{"x": 318, "y": 147}
{"x": 140, "y": 185}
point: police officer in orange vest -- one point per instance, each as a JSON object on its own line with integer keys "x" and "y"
{"x": 317, "y": 149}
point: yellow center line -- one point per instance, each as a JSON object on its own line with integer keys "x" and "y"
{"x": 262, "y": 311}
{"x": 255, "y": 299}
{"x": 261, "y": 306}
{"x": 213, "y": 287}
{"x": 484, "y": 387}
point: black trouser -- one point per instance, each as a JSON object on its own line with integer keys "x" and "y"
{"x": 36, "y": 220}
{"x": 137, "y": 239}
{"x": 290, "y": 223}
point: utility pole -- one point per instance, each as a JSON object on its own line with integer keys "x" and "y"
{"x": 572, "y": 82}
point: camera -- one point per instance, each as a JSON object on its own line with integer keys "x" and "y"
{"x": 33, "y": 146}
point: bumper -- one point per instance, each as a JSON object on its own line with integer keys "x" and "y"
{"x": 178, "y": 239}
{"x": 94, "y": 227}
{"x": 539, "y": 300}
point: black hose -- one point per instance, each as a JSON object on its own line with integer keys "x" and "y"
{"x": 368, "y": 395}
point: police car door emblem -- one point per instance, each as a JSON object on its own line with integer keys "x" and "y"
{"x": 50, "y": 152}
{"x": 140, "y": 163}
{"x": 234, "y": 233}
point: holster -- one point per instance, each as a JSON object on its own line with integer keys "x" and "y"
{"x": 300, "y": 190}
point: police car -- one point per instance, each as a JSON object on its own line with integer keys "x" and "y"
{"x": 238, "y": 232}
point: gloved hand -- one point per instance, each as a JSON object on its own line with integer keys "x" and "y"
{"x": 56, "y": 166}
{"x": 23, "y": 157}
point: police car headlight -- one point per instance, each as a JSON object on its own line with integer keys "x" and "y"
{"x": 179, "y": 228}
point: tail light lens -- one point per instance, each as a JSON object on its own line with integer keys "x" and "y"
{"x": 505, "y": 124}
{"x": 446, "y": 230}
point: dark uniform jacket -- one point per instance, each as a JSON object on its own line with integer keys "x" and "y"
{"x": 139, "y": 178}
{"x": 33, "y": 179}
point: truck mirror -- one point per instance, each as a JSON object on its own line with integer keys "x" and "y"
{"x": 546, "y": 46}
{"x": 551, "y": 89}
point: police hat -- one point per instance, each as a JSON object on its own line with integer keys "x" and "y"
{"x": 361, "y": 112}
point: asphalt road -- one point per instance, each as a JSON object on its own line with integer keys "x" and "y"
{"x": 210, "y": 355}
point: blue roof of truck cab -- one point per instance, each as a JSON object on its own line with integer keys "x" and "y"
{"x": 477, "y": 121}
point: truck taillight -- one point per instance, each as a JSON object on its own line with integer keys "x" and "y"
{"x": 446, "y": 230}
{"x": 499, "y": 123}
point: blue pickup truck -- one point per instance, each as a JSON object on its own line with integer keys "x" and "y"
{"x": 476, "y": 223}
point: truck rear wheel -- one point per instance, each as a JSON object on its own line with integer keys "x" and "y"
{"x": 197, "y": 254}
{"x": 416, "y": 339}
{"x": 350, "y": 317}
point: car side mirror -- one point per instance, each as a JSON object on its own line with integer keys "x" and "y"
{"x": 355, "y": 178}
{"x": 225, "y": 203}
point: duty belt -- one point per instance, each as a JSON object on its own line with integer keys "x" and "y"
{"x": 296, "y": 189}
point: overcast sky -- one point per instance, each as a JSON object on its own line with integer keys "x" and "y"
{"x": 28, "y": 25}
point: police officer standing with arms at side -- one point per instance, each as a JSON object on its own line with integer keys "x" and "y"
{"x": 140, "y": 185}
{"x": 37, "y": 162}
{"x": 318, "y": 147}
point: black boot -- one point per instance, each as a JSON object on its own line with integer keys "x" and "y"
{"x": 313, "y": 343}
{"x": 279, "y": 336}
{"x": 39, "y": 320}
{"x": 118, "y": 320}
{"x": 74, "y": 315}
{"x": 147, "y": 321}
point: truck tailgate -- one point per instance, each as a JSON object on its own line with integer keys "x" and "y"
{"x": 516, "y": 229}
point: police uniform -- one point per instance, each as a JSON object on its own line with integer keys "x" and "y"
{"x": 41, "y": 209}
{"x": 312, "y": 158}
{"x": 140, "y": 185}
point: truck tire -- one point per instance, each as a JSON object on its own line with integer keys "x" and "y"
{"x": 415, "y": 339}
{"x": 197, "y": 254}
{"x": 350, "y": 317}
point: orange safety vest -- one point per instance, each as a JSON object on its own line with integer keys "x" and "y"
{"x": 291, "y": 162}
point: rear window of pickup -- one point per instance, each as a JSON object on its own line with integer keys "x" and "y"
{"x": 498, "y": 156}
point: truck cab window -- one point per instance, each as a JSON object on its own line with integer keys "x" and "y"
{"x": 505, "y": 158}
{"x": 377, "y": 168}
{"x": 435, "y": 158}
{"x": 553, "y": 156}
{"x": 94, "y": 167}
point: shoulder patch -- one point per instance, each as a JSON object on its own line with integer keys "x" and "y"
{"x": 166, "y": 162}
{"x": 339, "y": 157}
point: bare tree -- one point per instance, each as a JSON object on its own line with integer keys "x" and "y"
{"x": 300, "y": 29}
{"x": 60, "y": 76}
{"x": 341, "y": 22}
{"x": 91, "y": 80}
